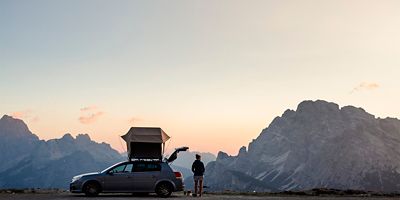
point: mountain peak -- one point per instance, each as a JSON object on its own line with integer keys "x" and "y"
{"x": 6, "y": 117}
{"x": 354, "y": 111}
{"x": 67, "y": 137}
{"x": 222, "y": 155}
{"x": 10, "y": 119}
{"x": 242, "y": 151}
{"x": 10, "y": 126}
{"x": 321, "y": 105}
{"x": 83, "y": 137}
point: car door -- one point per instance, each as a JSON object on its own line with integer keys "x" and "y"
{"x": 145, "y": 175}
{"x": 119, "y": 179}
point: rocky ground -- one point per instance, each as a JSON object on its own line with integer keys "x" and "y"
{"x": 317, "y": 193}
{"x": 180, "y": 197}
{"x": 68, "y": 196}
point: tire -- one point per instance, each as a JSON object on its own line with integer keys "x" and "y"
{"x": 91, "y": 189}
{"x": 164, "y": 189}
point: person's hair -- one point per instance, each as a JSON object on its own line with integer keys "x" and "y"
{"x": 198, "y": 156}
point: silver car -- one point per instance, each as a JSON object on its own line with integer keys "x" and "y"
{"x": 132, "y": 177}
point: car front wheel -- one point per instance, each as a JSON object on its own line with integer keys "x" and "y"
{"x": 164, "y": 189}
{"x": 91, "y": 189}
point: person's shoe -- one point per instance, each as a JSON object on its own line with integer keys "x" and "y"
{"x": 194, "y": 195}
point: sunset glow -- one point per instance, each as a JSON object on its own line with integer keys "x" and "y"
{"x": 212, "y": 74}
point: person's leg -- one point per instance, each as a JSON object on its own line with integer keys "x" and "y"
{"x": 201, "y": 187}
{"x": 195, "y": 187}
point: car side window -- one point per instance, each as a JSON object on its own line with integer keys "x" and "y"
{"x": 118, "y": 169}
{"x": 126, "y": 168}
{"x": 153, "y": 167}
{"x": 146, "y": 167}
{"x": 139, "y": 167}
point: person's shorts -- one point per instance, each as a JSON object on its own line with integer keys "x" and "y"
{"x": 198, "y": 178}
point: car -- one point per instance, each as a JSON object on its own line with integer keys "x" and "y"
{"x": 132, "y": 176}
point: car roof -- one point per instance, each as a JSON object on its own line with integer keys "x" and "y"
{"x": 140, "y": 161}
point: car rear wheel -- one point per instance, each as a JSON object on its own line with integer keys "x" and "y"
{"x": 164, "y": 189}
{"x": 92, "y": 189}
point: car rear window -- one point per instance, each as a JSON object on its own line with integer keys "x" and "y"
{"x": 146, "y": 167}
{"x": 153, "y": 167}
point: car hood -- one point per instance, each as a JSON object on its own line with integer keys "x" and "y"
{"x": 87, "y": 174}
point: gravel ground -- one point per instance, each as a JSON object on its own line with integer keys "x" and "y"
{"x": 68, "y": 196}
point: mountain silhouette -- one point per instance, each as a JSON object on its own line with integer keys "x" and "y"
{"x": 317, "y": 145}
{"x": 28, "y": 162}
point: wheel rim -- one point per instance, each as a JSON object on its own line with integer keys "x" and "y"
{"x": 163, "y": 189}
{"x": 91, "y": 189}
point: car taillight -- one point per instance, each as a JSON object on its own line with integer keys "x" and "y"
{"x": 178, "y": 175}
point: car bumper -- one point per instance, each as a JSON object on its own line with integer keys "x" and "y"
{"x": 179, "y": 186}
{"x": 75, "y": 187}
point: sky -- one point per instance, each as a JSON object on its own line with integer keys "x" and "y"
{"x": 212, "y": 74}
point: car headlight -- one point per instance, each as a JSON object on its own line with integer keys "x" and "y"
{"x": 76, "y": 178}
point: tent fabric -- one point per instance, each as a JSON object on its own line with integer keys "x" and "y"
{"x": 145, "y": 142}
{"x": 146, "y": 134}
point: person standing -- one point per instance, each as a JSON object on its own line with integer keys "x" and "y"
{"x": 198, "y": 172}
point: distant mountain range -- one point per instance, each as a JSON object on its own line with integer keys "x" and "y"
{"x": 28, "y": 162}
{"x": 318, "y": 145}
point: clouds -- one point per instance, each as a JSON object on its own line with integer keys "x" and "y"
{"x": 28, "y": 115}
{"x": 90, "y": 114}
{"x": 88, "y": 108}
{"x": 365, "y": 86}
{"x": 134, "y": 120}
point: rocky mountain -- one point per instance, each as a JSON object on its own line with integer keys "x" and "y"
{"x": 28, "y": 162}
{"x": 16, "y": 141}
{"x": 317, "y": 145}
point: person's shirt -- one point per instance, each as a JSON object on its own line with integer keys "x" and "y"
{"x": 198, "y": 168}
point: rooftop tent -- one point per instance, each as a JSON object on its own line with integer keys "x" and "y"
{"x": 145, "y": 142}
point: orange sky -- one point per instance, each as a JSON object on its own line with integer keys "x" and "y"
{"x": 212, "y": 74}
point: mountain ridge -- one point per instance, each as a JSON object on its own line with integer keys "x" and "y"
{"x": 317, "y": 145}
{"x": 30, "y": 162}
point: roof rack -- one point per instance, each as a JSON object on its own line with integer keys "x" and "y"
{"x": 145, "y": 160}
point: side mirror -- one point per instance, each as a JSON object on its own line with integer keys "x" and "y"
{"x": 111, "y": 173}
